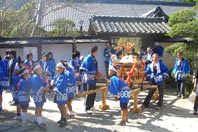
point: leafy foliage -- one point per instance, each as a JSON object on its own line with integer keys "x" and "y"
{"x": 190, "y": 53}
{"x": 181, "y": 16}
{"x": 189, "y": 29}
{"x": 184, "y": 24}
{"x": 64, "y": 27}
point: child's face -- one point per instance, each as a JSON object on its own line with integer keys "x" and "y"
{"x": 26, "y": 76}
{"x": 60, "y": 70}
{"x": 39, "y": 71}
{"x": 111, "y": 73}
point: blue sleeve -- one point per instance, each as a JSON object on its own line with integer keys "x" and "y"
{"x": 164, "y": 68}
{"x": 175, "y": 68}
{"x": 104, "y": 53}
{"x": 50, "y": 67}
{"x": 186, "y": 69}
{"x": 114, "y": 86}
{"x": 148, "y": 69}
{"x": 1, "y": 72}
{"x": 86, "y": 63}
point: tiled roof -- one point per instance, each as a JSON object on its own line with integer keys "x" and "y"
{"x": 157, "y": 12}
{"x": 84, "y": 11}
{"x": 126, "y": 25}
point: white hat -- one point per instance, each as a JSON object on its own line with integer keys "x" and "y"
{"x": 148, "y": 48}
{"x": 112, "y": 68}
{"x": 114, "y": 58}
{"x": 36, "y": 67}
{"x": 60, "y": 64}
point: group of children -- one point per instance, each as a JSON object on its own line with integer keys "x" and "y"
{"x": 33, "y": 79}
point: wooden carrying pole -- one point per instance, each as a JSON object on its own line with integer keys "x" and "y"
{"x": 103, "y": 91}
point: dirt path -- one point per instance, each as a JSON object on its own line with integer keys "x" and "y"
{"x": 174, "y": 117}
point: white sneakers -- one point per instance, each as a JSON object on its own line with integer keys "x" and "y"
{"x": 17, "y": 118}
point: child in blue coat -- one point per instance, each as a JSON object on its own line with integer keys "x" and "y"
{"x": 24, "y": 95}
{"x": 60, "y": 83}
{"x": 39, "y": 86}
{"x": 72, "y": 86}
{"x": 119, "y": 87}
{"x": 180, "y": 70}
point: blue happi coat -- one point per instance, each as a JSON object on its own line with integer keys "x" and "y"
{"x": 24, "y": 92}
{"x": 37, "y": 82}
{"x": 50, "y": 67}
{"x": 90, "y": 67}
{"x": 75, "y": 64}
{"x": 119, "y": 87}
{"x": 71, "y": 83}
{"x": 28, "y": 63}
{"x": 158, "y": 77}
{"x": 5, "y": 79}
{"x": 180, "y": 68}
{"x": 60, "y": 84}
{"x": 1, "y": 74}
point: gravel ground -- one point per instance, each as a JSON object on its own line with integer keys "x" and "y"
{"x": 175, "y": 116}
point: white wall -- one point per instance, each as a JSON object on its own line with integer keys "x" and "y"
{"x": 60, "y": 51}
{"x": 64, "y": 52}
{"x": 85, "y": 49}
{"x": 19, "y": 52}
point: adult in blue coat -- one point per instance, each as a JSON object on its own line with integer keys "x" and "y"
{"x": 180, "y": 70}
{"x": 50, "y": 66}
{"x": 156, "y": 72}
{"x": 90, "y": 69}
{"x": 29, "y": 60}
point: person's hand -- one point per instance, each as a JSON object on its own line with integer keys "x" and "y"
{"x": 99, "y": 76}
{"x": 183, "y": 76}
{"x": 46, "y": 89}
{"x": 79, "y": 82}
{"x": 194, "y": 89}
{"x": 116, "y": 98}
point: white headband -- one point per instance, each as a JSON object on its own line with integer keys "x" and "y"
{"x": 36, "y": 67}
{"x": 112, "y": 68}
{"x": 114, "y": 58}
{"x": 60, "y": 65}
{"x": 24, "y": 72}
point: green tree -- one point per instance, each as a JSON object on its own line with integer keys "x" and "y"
{"x": 190, "y": 0}
{"x": 181, "y": 16}
{"x": 64, "y": 27}
{"x": 25, "y": 21}
{"x": 183, "y": 24}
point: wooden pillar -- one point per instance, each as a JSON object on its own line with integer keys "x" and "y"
{"x": 104, "y": 106}
{"x": 135, "y": 105}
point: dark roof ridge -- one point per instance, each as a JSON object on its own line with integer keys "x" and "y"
{"x": 125, "y": 18}
{"x": 138, "y": 2}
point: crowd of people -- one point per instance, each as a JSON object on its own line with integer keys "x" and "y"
{"x": 28, "y": 78}
{"x": 155, "y": 71}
